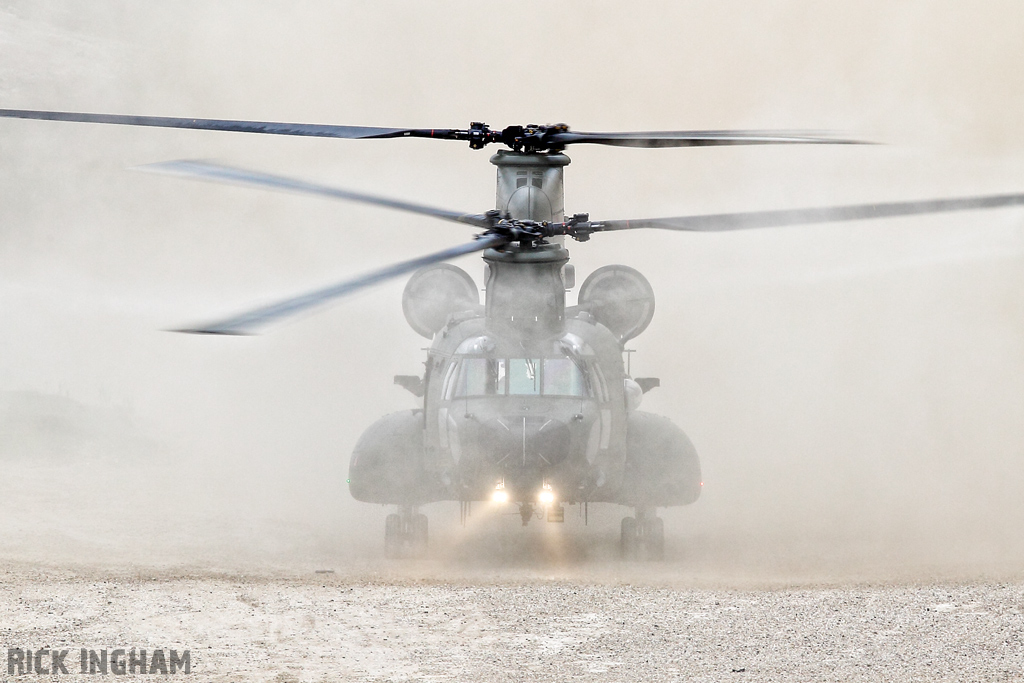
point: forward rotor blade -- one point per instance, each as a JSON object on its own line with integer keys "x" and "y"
{"x": 699, "y": 138}
{"x": 720, "y": 222}
{"x": 251, "y": 321}
{"x": 273, "y": 128}
{"x": 529, "y": 138}
{"x": 226, "y": 174}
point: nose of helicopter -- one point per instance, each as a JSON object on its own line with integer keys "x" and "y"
{"x": 519, "y": 443}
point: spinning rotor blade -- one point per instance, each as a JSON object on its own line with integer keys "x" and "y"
{"x": 226, "y": 174}
{"x": 250, "y": 321}
{"x": 301, "y": 129}
{"x": 531, "y": 138}
{"x": 698, "y": 138}
{"x": 720, "y": 222}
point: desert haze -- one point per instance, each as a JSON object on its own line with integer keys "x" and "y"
{"x": 854, "y": 391}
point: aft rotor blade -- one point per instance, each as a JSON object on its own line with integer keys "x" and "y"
{"x": 204, "y": 170}
{"x": 699, "y": 138}
{"x": 251, "y": 321}
{"x": 720, "y": 222}
{"x": 315, "y": 130}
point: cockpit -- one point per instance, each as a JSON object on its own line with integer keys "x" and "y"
{"x": 566, "y": 371}
{"x": 519, "y": 377}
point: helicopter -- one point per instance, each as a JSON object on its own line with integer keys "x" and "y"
{"x": 526, "y": 401}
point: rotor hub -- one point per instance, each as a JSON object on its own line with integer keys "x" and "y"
{"x": 531, "y": 138}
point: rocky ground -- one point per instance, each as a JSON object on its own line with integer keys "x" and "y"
{"x": 380, "y": 622}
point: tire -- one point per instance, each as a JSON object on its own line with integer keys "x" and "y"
{"x": 654, "y": 538}
{"x": 419, "y": 535}
{"x": 393, "y": 536}
{"x": 629, "y": 541}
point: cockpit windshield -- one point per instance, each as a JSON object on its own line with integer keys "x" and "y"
{"x": 480, "y": 377}
{"x": 563, "y": 377}
{"x": 518, "y": 377}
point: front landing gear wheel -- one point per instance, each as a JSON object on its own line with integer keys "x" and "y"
{"x": 419, "y": 536}
{"x": 643, "y": 537}
{"x": 629, "y": 541}
{"x": 393, "y": 536}
{"x": 654, "y": 538}
{"x": 405, "y": 534}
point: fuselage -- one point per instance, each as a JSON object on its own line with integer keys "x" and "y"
{"x": 525, "y": 395}
{"x": 520, "y": 414}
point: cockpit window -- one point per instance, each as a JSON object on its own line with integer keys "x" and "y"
{"x": 481, "y": 377}
{"x": 519, "y": 377}
{"x": 524, "y": 376}
{"x": 563, "y": 377}
{"x": 449, "y": 384}
{"x": 602, "y": 386}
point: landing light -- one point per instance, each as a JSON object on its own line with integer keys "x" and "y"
{"x": 500, "y": 495}
{"x": 546, "y": 495}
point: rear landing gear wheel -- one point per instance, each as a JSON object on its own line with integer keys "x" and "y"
{"x": 629, "y": 541}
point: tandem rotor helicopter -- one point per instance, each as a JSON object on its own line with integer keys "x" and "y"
{"x": 526, "y": 400}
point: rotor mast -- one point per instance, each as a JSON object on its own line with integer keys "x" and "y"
{"x": 525, "y": 285}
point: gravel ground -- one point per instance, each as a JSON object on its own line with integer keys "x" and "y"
{"x": 376, "y": 624}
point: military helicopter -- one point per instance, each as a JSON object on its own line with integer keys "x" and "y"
{"x": 526, "y": 401}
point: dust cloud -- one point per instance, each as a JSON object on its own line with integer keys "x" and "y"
{"x": 855, "y": 391}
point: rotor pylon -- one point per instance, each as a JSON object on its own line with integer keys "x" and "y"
{"x": 531, "y": 186}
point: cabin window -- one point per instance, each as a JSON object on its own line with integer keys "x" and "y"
{"x": 538, "y": 182}
{"x": 520, "y": 182}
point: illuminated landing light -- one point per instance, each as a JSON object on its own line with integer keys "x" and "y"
{"x": 500, "y": 495}
{"x": 546, "y": 495}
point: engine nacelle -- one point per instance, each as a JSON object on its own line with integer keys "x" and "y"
{"x": 662, "y": 467}
{"x": 387, "y": 463}
{"x": 433, "y": 294}
{"x": 620, "y": 298}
